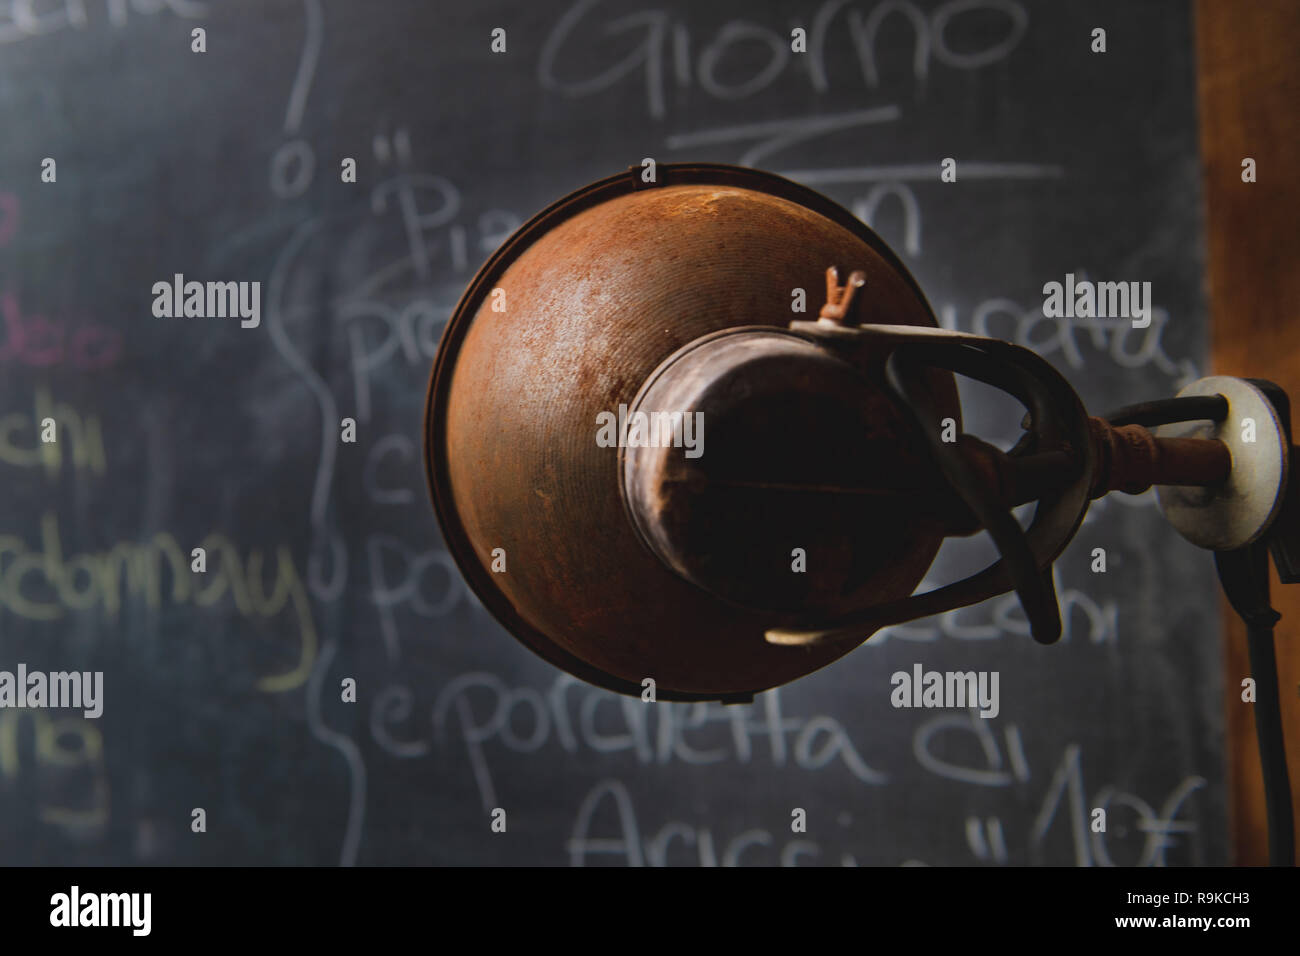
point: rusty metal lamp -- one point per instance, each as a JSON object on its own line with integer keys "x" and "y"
{"x": 836, "y": 439}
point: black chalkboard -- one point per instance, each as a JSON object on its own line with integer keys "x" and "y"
{"x": 224, "y": 690}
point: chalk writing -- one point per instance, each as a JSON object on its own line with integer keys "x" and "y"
{"x": 21, "y": 20}
{"x": 714, "y": 66}
{"x": 403, "y": 588}
{"x": 294, "y": 162}
{"x": 41, "y": 585}
{"x": 40, "y": 342}
{"x": 83, "y": 438}
{"x": 675, "y": 842}
{"x": 523, "y": 720}
{"x": 776, "y": 135}
{"x": 67, "y": 761}
{"x": 997, "y": 773}
{"x": 1155, "y": 829}
{"x": 1119, "y": 342}
{"x": 1003, "y": 617}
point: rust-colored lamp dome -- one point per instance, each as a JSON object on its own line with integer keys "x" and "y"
{"x": 620, "y": 564}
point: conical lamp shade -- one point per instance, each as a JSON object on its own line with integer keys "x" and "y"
{"x": 568, "y": 320}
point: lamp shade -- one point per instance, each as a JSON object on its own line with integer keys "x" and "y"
{"x": 567, "y": 326}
